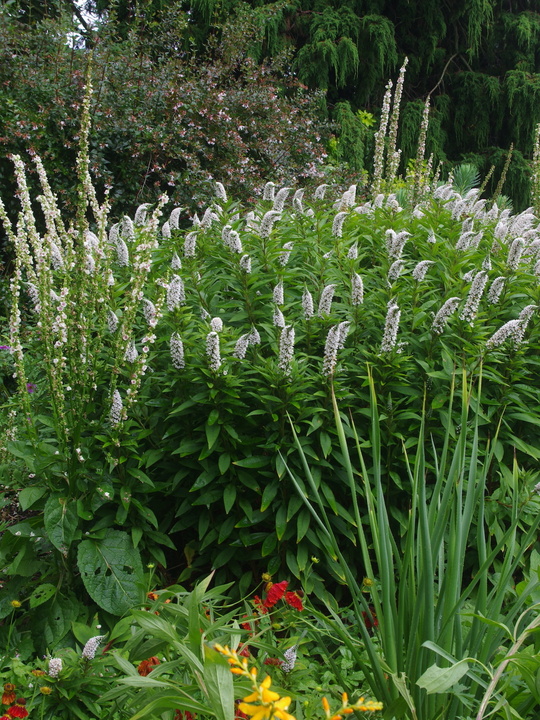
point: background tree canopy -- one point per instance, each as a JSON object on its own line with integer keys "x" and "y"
{"x": 265, "y": 66}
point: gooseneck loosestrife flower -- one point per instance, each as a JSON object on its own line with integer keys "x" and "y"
{"x": 325, "y": 301}
{"x": 286, "y": 349}
{"x": 265, "y": 704}
{"x": 441, "y": 318}
{"x": 177, "y": 352}
{"x": 89, "y": 650}
{"x": 391, "y": 327}
{"x": 512, "y": 330}
{"x": 213, "y": 351}
{"x": 474, "y": 297}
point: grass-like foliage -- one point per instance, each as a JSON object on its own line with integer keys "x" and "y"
{"x": 441, "y": 626}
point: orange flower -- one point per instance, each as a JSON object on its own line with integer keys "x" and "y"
{"x": 152, "y": 596}
{"x": 8, "y": 696}
{"x": 146, "y": 666}
{"x": 38, "y": 673}
{"x": 275, "y": 593}
{"x": 18, "y": 710}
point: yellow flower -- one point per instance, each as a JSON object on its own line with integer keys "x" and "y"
{"x": 45, "y": 690}
{"x": 276, "y": 709}
{"x": 16, "y": 604}
{"x": 263, "y": 693}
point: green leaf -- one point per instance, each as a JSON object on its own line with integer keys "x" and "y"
{"x": 29, "y": 496}
{"x": 112, "y": 572}
{"x": 269, "y": 493}
{"x": 53, "y": 623}
{"x": 229, "y": 496}
{"x": 41, "y": 594}
{"x": 440, "y": 680}
{"x": 326, "y": 443}
{"x": 281, "y": 521}
{"x": 219, "y": 684}
{"x": 224, "y": 462}
{"x": 140, "y": 475}
{"x": 61, "y": 521}
{"x": 212, "y": 434}
{"x": 253, "y": 462}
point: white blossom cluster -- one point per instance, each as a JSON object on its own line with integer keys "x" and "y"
{"x": 357, "y": 290}
{"x": 290, "y": 659}
{"x": 420, "y": 270}
{"x": 325, "y": 301}
{"x": 513, "y": 329}
{"x": 335, "y": 340}
{"x": 176, "y": 295}
{"x": 117, "y": 407}
{"x": 337, "y": 225}
{"x": 55, "y": 667}
{"x": 391, "y": 327}
{"x": 277, "y": 294}
{"x": 395, "y": 243}
{"x": 495, "y": 290}
{"x": 280, "y": 198}
{"x": 89, "y": 650}
{"x": 286, "y": 349}
{"x": 177, "y": 352}
{"x": 472, "y": 302}
{"x": 441, "y": 318}
{"x": 267, "y": 222}
{"x": 213, "y": 351}
{"x": 307, "y": 304}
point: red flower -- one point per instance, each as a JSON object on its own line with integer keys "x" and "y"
{"x": 273, "y": 661}
{"x": 294, "y": 600}
{"x": 18, "y": 710}
{"x": 370, "y": 619}
{"x": 259, "y": 605}
{"x": 146, "y": 667}
{"x": 8, "y": 695}
{"x": 275, "y": 593}
{"x": 245, "y": 652}
{"x": 184, "y": 715}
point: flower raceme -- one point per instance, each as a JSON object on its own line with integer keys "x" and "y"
{"x": 262, "y": 703}
{"x": 266, "y": 704}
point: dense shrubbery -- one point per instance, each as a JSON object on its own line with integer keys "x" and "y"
{"x": 159, "y": 121}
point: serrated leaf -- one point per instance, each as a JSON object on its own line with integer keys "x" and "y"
{"x": 112, "y": 572}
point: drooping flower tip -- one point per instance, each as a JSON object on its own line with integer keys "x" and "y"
{"x": 89, "y": 650}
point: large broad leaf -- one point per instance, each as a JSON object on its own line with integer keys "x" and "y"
{"x": 53, "y": 622}
{"x": 61, "y": 521}
{"x": 112, "y": 572}
{"x": 219, "y": 684}
{"x": 439, "y": 680}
